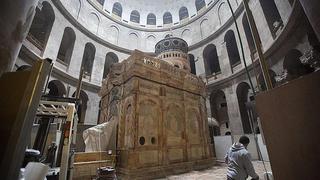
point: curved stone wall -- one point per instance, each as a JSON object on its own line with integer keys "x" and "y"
{"x": 210, "y": 33}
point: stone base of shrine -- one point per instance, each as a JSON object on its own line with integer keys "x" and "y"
{"x": 163, "y": 171}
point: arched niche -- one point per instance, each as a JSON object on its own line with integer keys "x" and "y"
{"x": 247, "y": 31}
{"x": 88, "y": 58}
{"x": 272, "y": 15}
{"x": 183, "y": 13}
{"x": 117, "y": 9}
{"x": 41, "y": 26}
{"x": 292, "y": 64}
{"x": 211, "y": 60}
{"x": 82, "y": 108}
{"x": 111, "y": 58}
{"x": 219, "y": 111}
{"x": 66, "y": 45}
{"x": 242, "y": 91}
{"x": 232, "y": 49}
{"x": 56, "y": 89}
{"x": 135, "y": 16}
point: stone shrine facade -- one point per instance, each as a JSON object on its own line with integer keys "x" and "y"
{"x": 161, "y": 113}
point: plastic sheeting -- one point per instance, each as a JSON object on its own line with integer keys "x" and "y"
{"x": 98, "y": 138}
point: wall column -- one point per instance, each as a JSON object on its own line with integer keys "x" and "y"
{"x": 15, "y": 20}
{"x": 233, "y": 111}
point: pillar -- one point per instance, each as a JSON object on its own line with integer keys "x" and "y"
{"x": 15, "y": 20}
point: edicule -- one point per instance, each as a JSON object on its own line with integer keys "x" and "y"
{"x": 160, "y": 110}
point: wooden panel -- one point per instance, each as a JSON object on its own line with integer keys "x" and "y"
{"x": 20, "y": 96}
{"x": 290, "y": 119}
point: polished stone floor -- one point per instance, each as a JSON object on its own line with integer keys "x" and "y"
{"x": 215, "y": 173}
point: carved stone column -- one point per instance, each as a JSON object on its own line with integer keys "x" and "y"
{"x": 15, "y": 20}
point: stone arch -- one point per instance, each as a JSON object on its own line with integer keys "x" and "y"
{"x": 76, "y": 5}
{"x": 41, "y": 26}
{"x": 243, "y": 97}
{"x": 224, "y": 13}
{"x": 247, "y": 31}
{"x": 94, "y": 22}
{"x": 134, "y": 41}
{"x": 82, "y": 107}
{"x": 200, "y": 4}
{"x": 113, "y": 34}
{"x": 193, "y": 125}
{"x": 167, "y": 18}
{"x": 183, "y": 13}
{"x": 56, "y": 89}
{"x": 150, "y": 42}
{"x": 135, "y": 16}
{"x": 293, "y": 65}
{"x": 232, "y": 49}
{"x": 110, "y": 59}
{"x": 204, "y": 28}
{"x": 219, "y": 111}
{"x": 88, "y": 58}
{"x": 148, "y": 120}
{"x": 186, "y": 35}
{"x": 272, "y": 15}
{"x": 66, "y": 45}
{"x": 151, "y": 19}
{"x": 192, "y": 64}
{"x": 211, "y": 60}
{"x": 167, "y": 35}
{"x": 117, "y": 9}
{"x": 174, "y": 118}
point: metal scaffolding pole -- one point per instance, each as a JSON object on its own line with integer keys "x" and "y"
{"x": 257, "y": 43}
{"x": 242, "y": 50}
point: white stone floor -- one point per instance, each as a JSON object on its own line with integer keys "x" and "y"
{"x": 215, "y": 173}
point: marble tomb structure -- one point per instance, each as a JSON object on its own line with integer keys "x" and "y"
{"x": 161, "y": 113}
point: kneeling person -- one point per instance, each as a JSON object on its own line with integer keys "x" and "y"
{"x": 239, "y": 162}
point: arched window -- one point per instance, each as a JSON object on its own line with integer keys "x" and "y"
{"x": 272, "y": 16}
{"x": 211, "y": 60}
{"x": 56, "y": 88}
{"x": 101, "y": 2}
{"x": 248, "y": 34}
{"x": 293, "y": 65}
{"x": 111, "y": 58}
{"x": 243, "y": 97}
{"x": 192, "y": 64}
{"x": 151, "y": 19}
{"x": 82, "y": 108}
{"x": 66, "y": 45}
{"x": 167, "y": 18}
{"x": 117, "y": 9}
{"x": 41, "y": 26}
{"x": 88, "y": 58}
{"x": 232, "y": 49}
{"x": 183, "y": 13}
{"x": 200, "y": 4}
{"x": 219, "y": 112}
{"x": 135, "y": 16}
